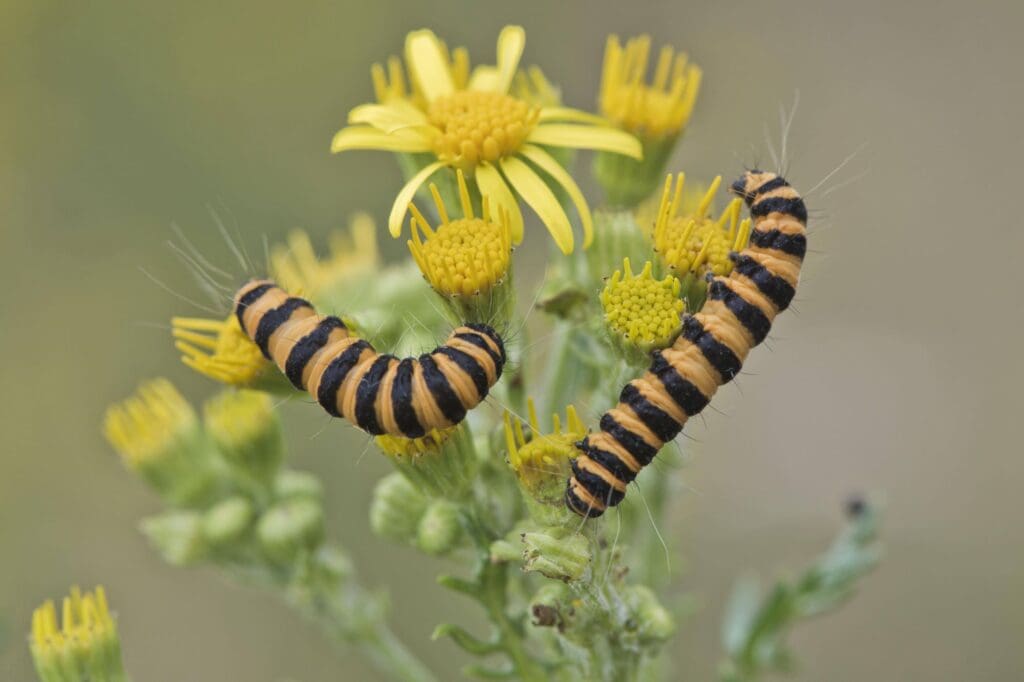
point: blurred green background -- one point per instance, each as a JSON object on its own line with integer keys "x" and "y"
{"x": 900, "y": 373}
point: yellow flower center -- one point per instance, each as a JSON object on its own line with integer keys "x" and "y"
{"x": 694, "y": 241}
{"x": 479, "y": 126}
{"x": 87, "y": 625}
{"x": 541, "y": 460}
{"x": 642, "y": 310}
{"x": 467, "y": 256}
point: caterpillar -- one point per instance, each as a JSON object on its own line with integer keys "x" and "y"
{"x": 379, "y": 393}
{"x": 709, "y": 352}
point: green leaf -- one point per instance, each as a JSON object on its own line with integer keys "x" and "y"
{"x": 466, "y": 641}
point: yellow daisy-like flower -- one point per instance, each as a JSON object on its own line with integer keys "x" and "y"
{"x": 465, "y": 256}
{"x": 659, "y": 108}
{"x": 220, "y": 350}
{"x": 82, "y": 645}
{"x": 696, "y": 242}
{"x": 353, "y": 256}
{"x": 640, "y": 311}
{"x": 151, "y": 425}
{"x": 471, "y": 122}
{"x": 541, "y": 460}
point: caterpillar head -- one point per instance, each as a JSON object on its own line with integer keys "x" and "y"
{"x": 748, "y": 185}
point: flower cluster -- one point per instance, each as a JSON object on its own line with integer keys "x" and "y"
{"x": 483, "y": 486}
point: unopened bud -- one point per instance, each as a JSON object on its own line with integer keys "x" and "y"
{"x": 439, "y": 529}
{"x": 290, "y": 528}
{"x": 397, "y": 508}
{"x": 556, "y": 553}
{"x": 247, "y": 431}
{"x": 178, "y": 536}
{"x": 227, "y": 521}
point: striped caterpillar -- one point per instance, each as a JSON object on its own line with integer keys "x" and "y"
{"x": 709, "y": 352}
{"x": 379, "y": 393}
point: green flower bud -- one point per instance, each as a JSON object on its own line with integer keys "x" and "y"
{"x": 654, "y": 623}
{"x": 247, "y": 431}
{"x": 556, "y": 552}
{"x": 178, "y": 536}
{"x": 442, "y": 463}
{"x": 290, "y": 483}
{"x": 85, "y": 647}
{"x": 290, "y": 528}
{"x": 158, "y": 435}
{"x": 397, "y": 508}
{"x": 439, "y": 530}
{"x": 227, "y": 521}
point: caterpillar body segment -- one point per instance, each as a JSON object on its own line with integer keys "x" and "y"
{"x": 710, "y": 351}
{"x": 379, "y": 393}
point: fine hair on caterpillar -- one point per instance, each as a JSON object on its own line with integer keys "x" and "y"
{"x": 708, "y": 353}
{"x": 378, "y": 393}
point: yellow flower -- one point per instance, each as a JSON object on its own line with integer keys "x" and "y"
{"x": 220, "y": 350}
{"x": 640, "y": 311}
{"x": 471, "y": 122}
{"x": 442, "y": 463}
{"x": 695, "y": 242}
{"x": 465, "y": 256}
{"x": 541, "y": 461}
{"x": 659, "y": 108}
{"x": 158, "y": 435}
{"x": 150, "y": 425}
{"x": 353, "y": 257}
{"x": 247, "y": 431}
{"x": 85, "y": 646}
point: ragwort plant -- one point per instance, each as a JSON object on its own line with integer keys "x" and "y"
{"x": 567, "y": 597}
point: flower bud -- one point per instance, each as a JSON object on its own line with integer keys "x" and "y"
{"x": 653, "y": 622}
{"x": 84, "y": 647}
{"x": 290, "y": 528}
{"x": 178, "y": 536}
{"x": 246, "y": 429}
{"x": 557, "y": 553}
{"x": 397, "y": 508}
{"x": 290, "y": 483}
{"x": 227, "y": 521}
{"x": 439, "y": 529}
{"x": 548, "y": 604}
{"x": 158, "y": 435}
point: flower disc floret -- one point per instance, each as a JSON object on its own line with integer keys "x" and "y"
{"x": 479, "y": 126}
{"x": 641, "y": 310}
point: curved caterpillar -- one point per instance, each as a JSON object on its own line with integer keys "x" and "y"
{"x": 379, "y": 393}
{"x": 709, "y": 352}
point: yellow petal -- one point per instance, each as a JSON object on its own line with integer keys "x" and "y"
{"x": 404, "y": 198}
{"x": 493, "y": 186}
{"x": 548, "y": 164}
{"x": 428, "y": 64}
{"x": 587, "y": 137}
{"x": 499, "y": 78}
{"x": 541, "y": 199}
{"x": 569, "y": 114}
{"x": 388, "y": 117}
{"x": 366, "y": 137}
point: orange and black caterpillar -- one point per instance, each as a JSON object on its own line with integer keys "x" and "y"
{"x": 379, "y": 393}
{"x": 709, "y": 352}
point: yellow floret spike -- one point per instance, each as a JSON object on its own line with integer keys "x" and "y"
{"x": 353, "y": 257}
{"x": 541, "y": 460}
{"x": 692, "y": 241}
{"x": 641, "y": 312}
{"x": 660, "y": 107}
{"x": 82, "y": 645}
{"x": 220, "y": 350}
{"x": 148, "y": 426}
{"x": 400, "y": 446}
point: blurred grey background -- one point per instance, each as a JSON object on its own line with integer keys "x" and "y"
{"x": 900, "y": 374}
